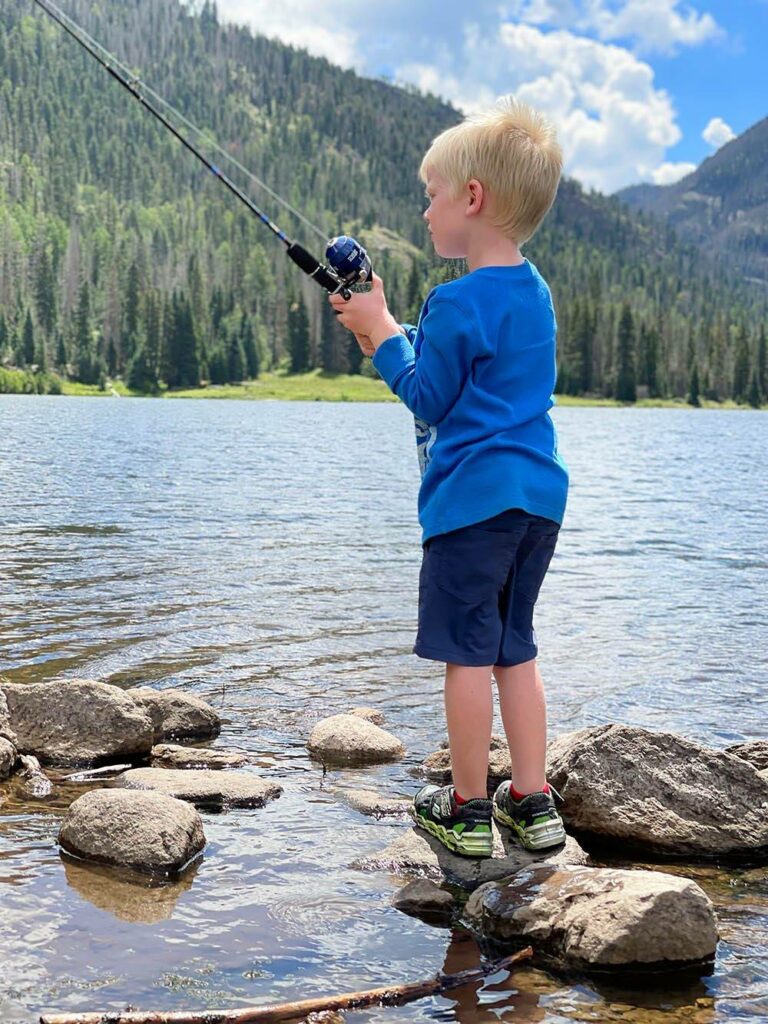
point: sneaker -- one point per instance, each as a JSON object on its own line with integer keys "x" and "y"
{"x": 533, "y": 820}
{"x": 462, "y": 828}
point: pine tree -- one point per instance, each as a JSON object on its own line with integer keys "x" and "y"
{"x": 235, "y": 360}
{"x": 45, "y": 295}
{"x": 250, "y": 348}
{"x": 753, "y": 393}
{"x": 28, "y": 341}
{"x": 762, "y": 363}
{"x": 741, "y": 366}
{"x": 625, "y": 390}
{"x": 86, "y": 366}
{"x": 298, "y": 336}
{"x": 693, "y": 388}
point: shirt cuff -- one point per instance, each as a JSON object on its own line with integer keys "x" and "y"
{"x": 392, "y": 357}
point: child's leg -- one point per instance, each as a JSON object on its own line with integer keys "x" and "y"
{"x": 524, "y": 714}
{"x": 469, "y": 715}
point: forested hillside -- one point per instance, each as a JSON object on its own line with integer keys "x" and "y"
{"x": 722, "y": 206}
{"x": 120, "y": 255}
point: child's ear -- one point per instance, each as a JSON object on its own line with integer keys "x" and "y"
{"x": 475, "y": 194}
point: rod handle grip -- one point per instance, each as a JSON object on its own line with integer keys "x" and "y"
{"x": 307, "y": 262}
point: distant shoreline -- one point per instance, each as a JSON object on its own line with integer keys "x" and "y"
{"x": 317, "y": 386}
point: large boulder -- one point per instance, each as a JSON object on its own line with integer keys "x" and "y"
{"x": 147, "y": 832}
{"x": 204, "y": 788}
{"x": 176, "y": 715}
{"x": 374, "y": 803}
{"x": 349, "y": 739}
{"x": 598, "y": 917}
{"x": 659, "y": 792}
{"x": 415, "y": 853}
{"x": 76, "y": 721}
{"x": 168, "y": 755}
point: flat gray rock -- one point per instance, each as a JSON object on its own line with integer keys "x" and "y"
{"x": 168, "y": 755}
{"x": 350, "y": 740}
{"x": 176, "y": 715}
{"x": 7, "y": 757}
{"x": 373, "y": 803}
{"x": 598, "y": 917}
{"x": 437, "y": 766}
{"x": 756, "y": 752}
{"x": 204, "y": 788}
{"x": 147, "y": 832}
{"x": 417, "y": 853}
{"x": 76, "y": 721}
{"x": 659, "y": 792}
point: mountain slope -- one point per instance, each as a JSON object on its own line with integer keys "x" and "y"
{"x": 722, "y": 206}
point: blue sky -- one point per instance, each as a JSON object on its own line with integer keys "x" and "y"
{"x": 640, "y": 90}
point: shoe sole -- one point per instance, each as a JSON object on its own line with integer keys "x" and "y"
{"x": 535, "y": 837}
{"x": 476, "y": 843}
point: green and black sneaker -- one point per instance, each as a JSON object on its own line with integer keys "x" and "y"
{"x": 462, "y": 828}
{"x": 534, "y": 820}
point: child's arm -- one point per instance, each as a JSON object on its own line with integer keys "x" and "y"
{"x": 430, "y": 385}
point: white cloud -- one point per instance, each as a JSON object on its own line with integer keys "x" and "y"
{"x": 614, "y": 122}
{"x": 668, "y": 174}
{"x": 650, "y": 25}
{"x": 717, "y": 133}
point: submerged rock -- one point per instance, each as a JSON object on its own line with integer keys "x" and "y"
{"x": 147, "y": 832}
{"x": 348, "y": 739}
{"x": 35, "y": 783}
{"x": 375, "y": 804}
{"x": 423, "y": 899}
{"x": 172, "y": 756}
{"x": 659, "y": 792}
{"x": 437, "y": 767}
{"x": 370, "y": 715}
{"x": 417, "y": 853}
{"x": 599, "y": 917}
{"x": 756, "y": 752}
{"x": 76, "y": 721}
{"x": 176, "y": 715}
{"x": 205, "y": 788}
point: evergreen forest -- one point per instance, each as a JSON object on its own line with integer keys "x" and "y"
{"x": 122, "y": 257}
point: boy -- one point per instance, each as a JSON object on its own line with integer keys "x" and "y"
{"x": 478, "y": 375}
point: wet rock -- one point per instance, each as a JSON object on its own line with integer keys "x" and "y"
{"x": 423, "y": 899}
{"x": 417, "y": 853}
{"x": 7, "y": 757}
{"x": 599, "y": 917}
{"x": 204, "y": 788}
{"x": 370, "y": 715}
{"x": 437, "y": 767}
{"x": 172, "y": 756}
{"x": 374, "y": 804}
{"x": 348, "y": 739}
{"x": 35, "y": 784}
{"x": 756, "y": 752}
{"x": 76, "y": 721}
{"x": 659, "y": 792}
{"x": 6, "y": 732}
{"x": 147, "y": 832}
{"x": 176, "y": 715}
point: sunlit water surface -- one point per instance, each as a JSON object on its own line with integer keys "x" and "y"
{"x": 265, "y": 557}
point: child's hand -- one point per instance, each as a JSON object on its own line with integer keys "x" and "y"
{"x": 366, "y": 346}
{"x": 366, "y": 313}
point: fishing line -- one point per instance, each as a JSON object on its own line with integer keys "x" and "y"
{"x": 349, "y": 262}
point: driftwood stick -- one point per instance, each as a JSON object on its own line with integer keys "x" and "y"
{"x": 392, "y": 995}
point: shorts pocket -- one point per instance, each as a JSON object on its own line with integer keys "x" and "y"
{"x": 533, "y": 563}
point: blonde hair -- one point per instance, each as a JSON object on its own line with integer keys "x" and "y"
{"x": 513, "y": 151}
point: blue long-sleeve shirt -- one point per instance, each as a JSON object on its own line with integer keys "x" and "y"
{"x": 478, "y": 374}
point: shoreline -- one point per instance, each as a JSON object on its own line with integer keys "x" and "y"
{"x": 317, "y": 386}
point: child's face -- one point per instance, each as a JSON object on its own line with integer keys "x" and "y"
{"x": 446, "y": 218}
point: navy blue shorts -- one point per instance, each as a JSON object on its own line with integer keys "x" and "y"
{"x": 478, "y": 587}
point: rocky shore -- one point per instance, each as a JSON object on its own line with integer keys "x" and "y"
{"x": 647, "y": 795}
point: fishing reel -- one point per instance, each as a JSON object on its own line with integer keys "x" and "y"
{"x": 349, "y": 261}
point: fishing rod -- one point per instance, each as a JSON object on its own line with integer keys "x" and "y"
{"x": 348, "y": 262}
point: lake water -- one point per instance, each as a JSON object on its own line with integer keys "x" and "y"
{"x": 265, "y": 557}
